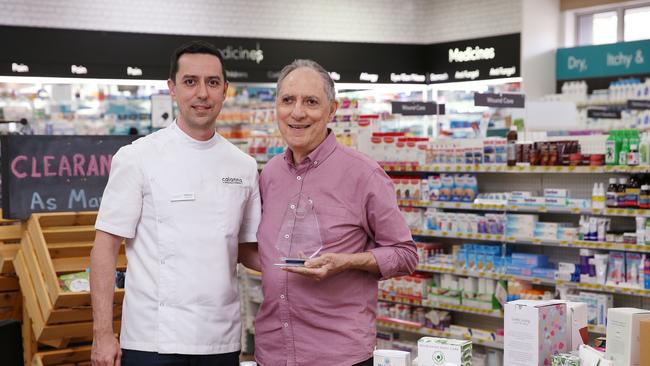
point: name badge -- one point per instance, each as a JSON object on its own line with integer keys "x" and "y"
{"x": 183, "y": 197}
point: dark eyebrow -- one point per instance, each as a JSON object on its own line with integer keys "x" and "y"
{"x": 196, "y": 77}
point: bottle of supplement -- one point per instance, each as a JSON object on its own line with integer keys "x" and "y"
{"x": 610, "y": 196}
{"x": 613, "y": 147}
{"x": 644, "y": 197}
{"x": 632, "y": 192}
{"x": 633, "y": 156}
{"x": 511, "y": 147}
{"x": 620, "y": 192}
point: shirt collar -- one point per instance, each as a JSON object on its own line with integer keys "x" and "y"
{"x": 320, "y": 153}
{"x": 193, "y": 142}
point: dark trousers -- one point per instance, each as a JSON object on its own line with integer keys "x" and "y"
{"x": 367, "y": 362}
{"x": 140, "y": 358}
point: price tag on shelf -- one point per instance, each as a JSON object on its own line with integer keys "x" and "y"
{"x": 564, "y": 243}
{"x": 499, "y": 168}
{"x": 470, "y": 236}
{"x": 457, "y": 205}
{"x": 558, "y": 169}
{"x": 537, "y": 241}
{"x": 542, "y": 209}
{"x": 571, "y": 168}
{"x": 488, "y": 236}
{"x": 576, "y": 210}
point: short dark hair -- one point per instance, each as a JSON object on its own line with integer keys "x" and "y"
{"x": 195, "y": 47}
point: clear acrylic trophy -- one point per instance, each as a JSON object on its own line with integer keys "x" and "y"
{"x": 299, "y": 237}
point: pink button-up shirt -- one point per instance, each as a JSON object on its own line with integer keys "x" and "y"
{"x": 331, "y": 322}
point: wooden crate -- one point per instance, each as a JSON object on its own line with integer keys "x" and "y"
{"x": 10, "y": 297}
{"x": 76, "y": 356}
{"x": 56, "y": 244}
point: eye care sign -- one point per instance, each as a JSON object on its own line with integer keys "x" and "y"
{"x": 55, "y": 173}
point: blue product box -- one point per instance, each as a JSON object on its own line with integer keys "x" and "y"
{"x": 545, "y": 273}
{"x": 529, "y": 260}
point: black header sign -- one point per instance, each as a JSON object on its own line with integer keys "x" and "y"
{"x": 55, "y": 173}
{"x": 638, "y": 104}
{"x": 121, "y": 55}
{"x": 414, "y": 108}
{"x": 476, "y": 59}
{"x": 499, "y": 100}
{"x": 602, "y": 113}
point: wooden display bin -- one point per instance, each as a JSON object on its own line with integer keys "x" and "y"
{"x": 10, "y": 298}
{"x": 76, "y": 356}
{"x": 55, "y": 244}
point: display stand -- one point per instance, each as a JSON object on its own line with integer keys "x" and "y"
{"x": 52, "y": 245}
{"x": 10, "y": 297}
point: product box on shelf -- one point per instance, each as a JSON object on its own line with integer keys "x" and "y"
{"x": 577, "y": 314}
{"x": 534, "y": 331}
{"x": 385, "y": 357}
{"x": 441, "y": 351}
{"x": 623, "y": 330}
{"x": 644, "y": 338}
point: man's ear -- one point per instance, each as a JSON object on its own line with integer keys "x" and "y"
{"x": 170, "y": 86}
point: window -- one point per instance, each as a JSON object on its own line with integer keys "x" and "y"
{"x": 613, "y": 25}
{"x": 637, "y": 24}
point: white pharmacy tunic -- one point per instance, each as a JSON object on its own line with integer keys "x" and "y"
{"x": 184, "y": 206}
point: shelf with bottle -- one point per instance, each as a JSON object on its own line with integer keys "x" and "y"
{"x": 533, "y": 241}
{"x": 411, "y": 300}
{"x": 503, "y": 168}
{"x": 401, "y": 325}
{"x": 538, "y": 281}
{"x": 622, "y": 212}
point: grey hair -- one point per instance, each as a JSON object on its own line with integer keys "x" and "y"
{"x": 310, "y": 64}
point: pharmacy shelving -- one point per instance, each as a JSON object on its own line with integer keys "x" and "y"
{"x": 622, "y": 212}
{"x": 417, "y": 328}
{"x": 538, "y": 281}
{"x": 482, "y": 274}
{"x": 533, "y": 241}
{"x": 467, "y": 168}
{"x": 417, "y": 301}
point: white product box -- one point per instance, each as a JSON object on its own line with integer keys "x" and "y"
{"x": 444, "y": 352}
{"x": 623, "y": 335}
{"x": 389, "y": 357}
{"x": 556, "y": 202}
{"x": 534, "y": 331}
{"x": 555, "y": 192}
{"x": 577, "y": 314}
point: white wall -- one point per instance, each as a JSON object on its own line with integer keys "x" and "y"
{"x": 404, "y": 21}
{"x": 452, "y": 20}
{"x": 540, "y": 38}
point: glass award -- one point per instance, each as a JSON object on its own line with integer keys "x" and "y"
{"x": 299, "y": 237}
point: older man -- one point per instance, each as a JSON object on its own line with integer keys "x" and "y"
{"x": 364, "y": 236}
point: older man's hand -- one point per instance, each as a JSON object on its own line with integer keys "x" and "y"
{"x": 323, "y": 266}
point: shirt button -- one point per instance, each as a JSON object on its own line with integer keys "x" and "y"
{"x": 316, "y": 162}
{"x": 299, "y": 177}
{"x": 293, "y": 207}
{"x": 286, "y": 236}
{"x": 282, "y": 297}
{"x": 285, "y": 324}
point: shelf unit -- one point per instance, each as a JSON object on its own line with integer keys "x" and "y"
{"x": 620, "y": 212}
{"x": 10, "y": 296}
{"x": 417, "y": 328}
{"x": 533, "y": 178}
{"x": 534, "y": 241}
{"x": 467, "y": 168}
{"x": 411, "y": 300}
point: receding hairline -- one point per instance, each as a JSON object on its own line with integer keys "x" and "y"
{"x": 318, "y": 73}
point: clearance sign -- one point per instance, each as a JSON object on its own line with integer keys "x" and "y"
{"x": 55, "y": 173}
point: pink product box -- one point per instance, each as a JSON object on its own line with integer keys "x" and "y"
{"x": 534, "y": 332}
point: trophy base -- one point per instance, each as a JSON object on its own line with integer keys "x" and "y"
{"x": 291, "y": 262}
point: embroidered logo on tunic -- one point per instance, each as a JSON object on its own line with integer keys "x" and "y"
{"x": 231, "y": 180}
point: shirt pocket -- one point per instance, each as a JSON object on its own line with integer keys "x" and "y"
{"x": 230, "y": 203}
{"x": 334, "y": 222}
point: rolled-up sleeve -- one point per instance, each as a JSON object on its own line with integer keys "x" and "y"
{"x": 394, "y": 249}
